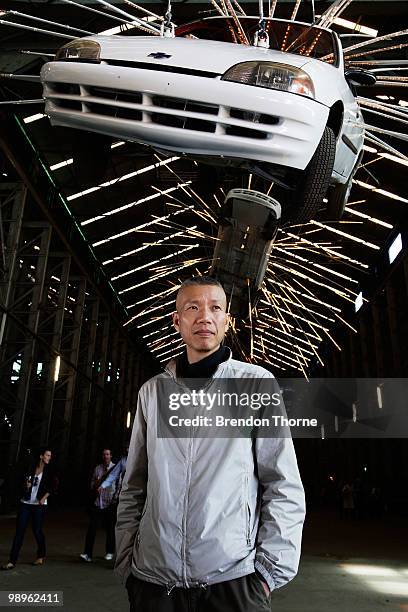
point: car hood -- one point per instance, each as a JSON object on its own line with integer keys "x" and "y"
{"x": 191, "y": 54}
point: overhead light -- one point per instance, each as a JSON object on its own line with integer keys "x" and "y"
{"x": 357, "y": 213}
{"x": 394, "y": 158}
{"x": 128, "y": 420}
{"x": 32, "y": 118}
{"x": 62, "y": 164}
{"x": 403, "y": 103}
{"x": 356, "y": 27}
{"x": 125, "y": 177}
{"x": 141, "y": 201}
{"x": 379, "y": 396}
{"x": 341, "y": 233}
{"x": 118, "y": 144}
{"x": 57, "y": 368}
{"x": 68, "y": 162}
{"x": 387, "y": 194}
{"x": 395, "y": 248}
{"x": 369, "y": 149}
{"x": 358, "y": 302}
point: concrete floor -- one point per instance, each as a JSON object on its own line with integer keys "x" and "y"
{"x": 358, "y": 566}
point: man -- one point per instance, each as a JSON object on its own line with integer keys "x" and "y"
{"x": 102, "y": 510}
{"x": 206, "y": 524}
{"x": 116, "y": 474}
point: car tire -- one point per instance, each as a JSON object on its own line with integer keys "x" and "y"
{"x": 307, "y": 198}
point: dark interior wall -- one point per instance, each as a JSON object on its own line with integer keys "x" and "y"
{"x": 377, "y": 351}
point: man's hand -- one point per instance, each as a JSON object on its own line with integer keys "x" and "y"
{"x": 42, "y": 501}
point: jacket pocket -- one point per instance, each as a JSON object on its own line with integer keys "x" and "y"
{"x": 140, "y": 524}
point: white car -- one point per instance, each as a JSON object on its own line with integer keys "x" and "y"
{"x": 248, "y": 225}
{"x": 287, "y": 113}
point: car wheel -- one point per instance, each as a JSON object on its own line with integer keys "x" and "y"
{"x": 308, "y": 196}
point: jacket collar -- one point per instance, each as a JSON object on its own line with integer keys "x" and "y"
{"x": 170, "y": 367}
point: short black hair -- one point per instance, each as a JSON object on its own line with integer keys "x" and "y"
{"x": 200, "y": 280}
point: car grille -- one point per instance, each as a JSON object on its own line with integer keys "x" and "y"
{"x": 167, "y": 111}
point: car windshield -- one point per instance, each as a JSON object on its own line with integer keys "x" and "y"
{"x": 287, "y": 36}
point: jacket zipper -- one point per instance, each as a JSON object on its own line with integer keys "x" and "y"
{"x": 247, "y": 512}
{"x": 186, "y": 496}
{"x": 188, "y": 478}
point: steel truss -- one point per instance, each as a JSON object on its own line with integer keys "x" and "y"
{"x": 69, "y": 375}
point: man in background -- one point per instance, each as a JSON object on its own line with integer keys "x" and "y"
{"x": 116, "y": 474}
{"x": 102, "y": 509}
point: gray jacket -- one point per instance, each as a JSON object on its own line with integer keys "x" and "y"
{"x": 196, "y": 511}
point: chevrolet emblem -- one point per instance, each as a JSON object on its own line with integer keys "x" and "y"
{"x": 159, "y": 55}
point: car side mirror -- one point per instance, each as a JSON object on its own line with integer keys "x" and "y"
{"x": 360, "y": 76}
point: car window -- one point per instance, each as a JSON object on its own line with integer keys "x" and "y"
{"x": 287, "y": 36}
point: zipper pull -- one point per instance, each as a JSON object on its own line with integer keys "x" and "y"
{"x": 170, "y": 587}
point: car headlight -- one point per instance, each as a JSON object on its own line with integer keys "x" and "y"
{"x": 271, "y": 76}
{"x": 80, "y": 50}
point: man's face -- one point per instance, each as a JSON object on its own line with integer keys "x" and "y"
{"x": 46, "y": 457}
{"x": 106, "y": 456}
{"x": 201, "y": 319}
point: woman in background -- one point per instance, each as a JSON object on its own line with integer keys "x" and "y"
{"x": 38, "y": 486}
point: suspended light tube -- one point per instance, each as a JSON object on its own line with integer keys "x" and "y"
{"x": 57, "y": 368}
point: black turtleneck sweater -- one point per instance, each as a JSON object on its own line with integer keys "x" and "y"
{"x": 204, "y": 368}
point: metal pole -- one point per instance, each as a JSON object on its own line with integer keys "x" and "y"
{"x": 70, "y": 383}
{"x": 55, "y": 23}
{"x": 29, "y": 349}
{"x": 32, "y": 29}
{"x": 56, "y": 348}
{"x": 13, "y": 240}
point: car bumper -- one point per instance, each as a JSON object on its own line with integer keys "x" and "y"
{"x": 177, "y": 112}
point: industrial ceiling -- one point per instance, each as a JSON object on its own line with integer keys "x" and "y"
{"x": 151, "y": 219}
